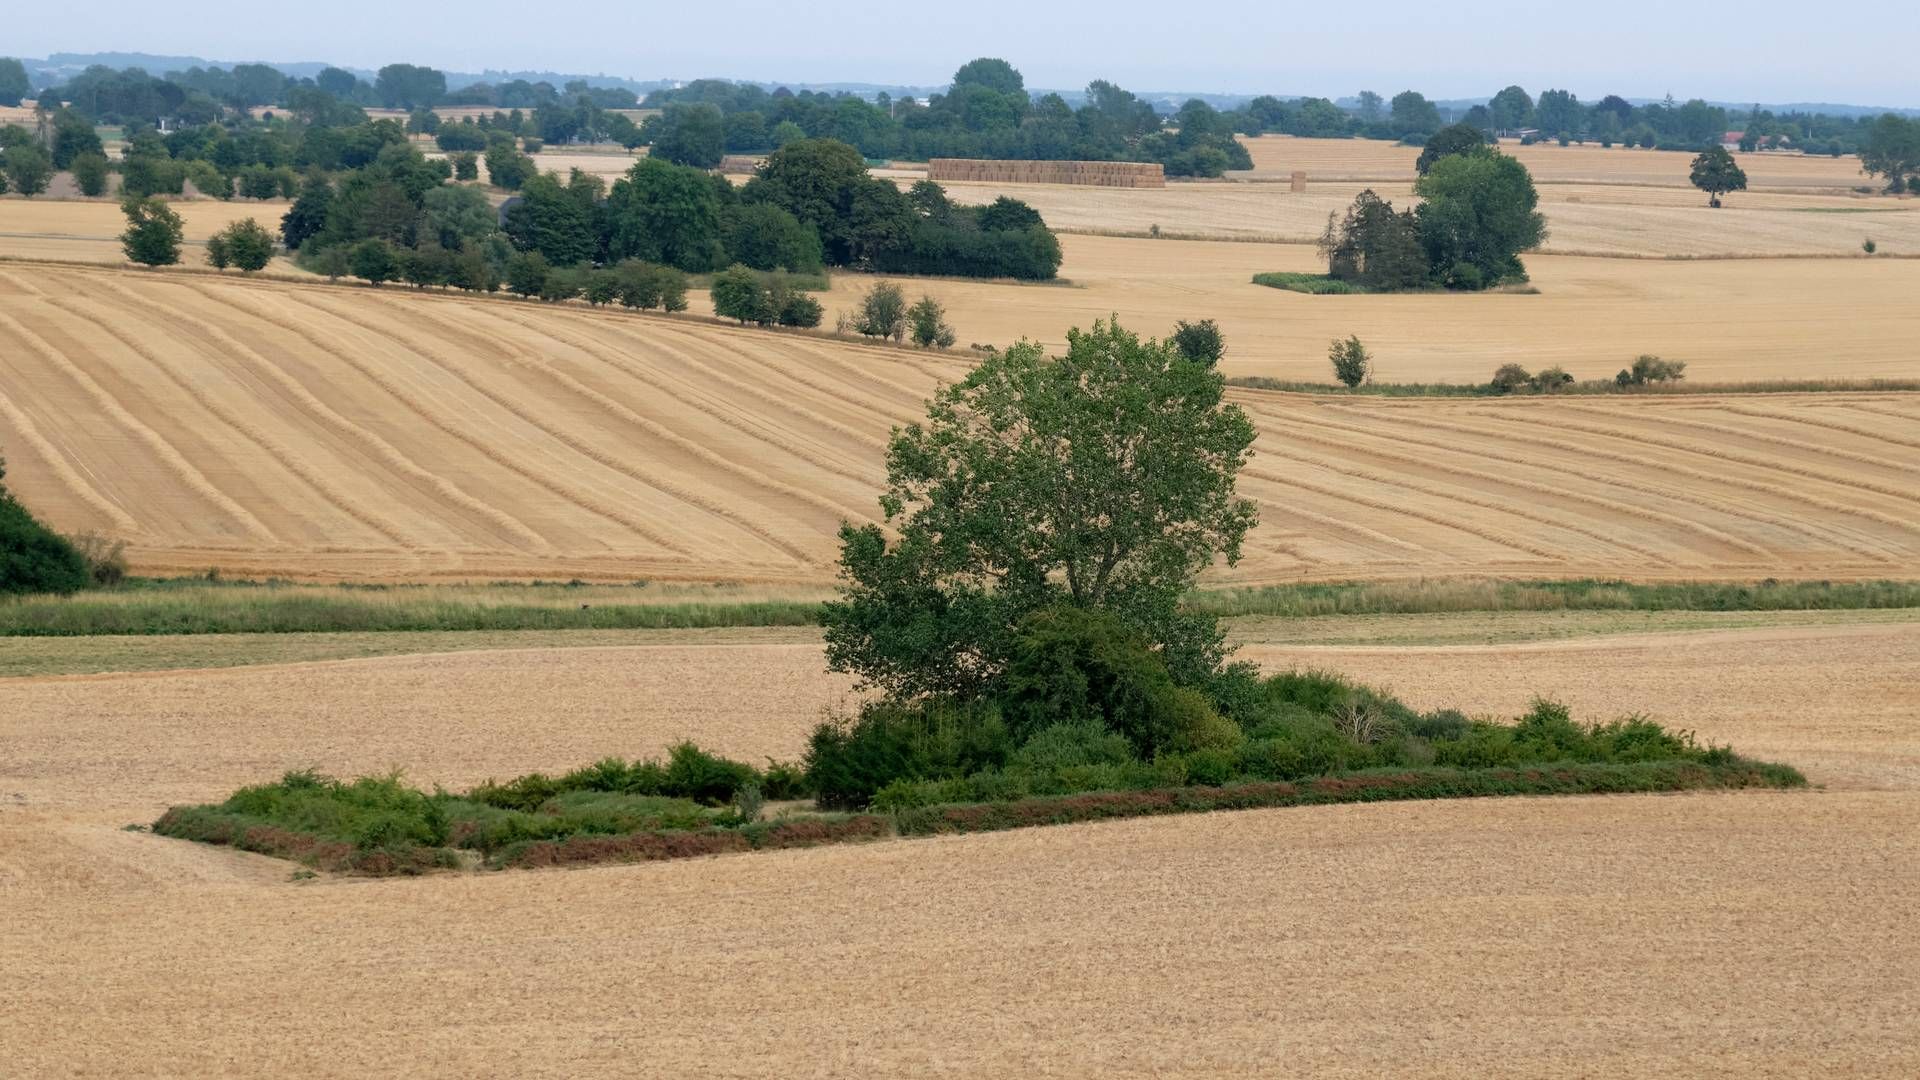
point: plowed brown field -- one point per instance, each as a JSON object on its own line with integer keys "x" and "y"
{"x": 269, "y": 428}
{"x": 1738, "y": 935}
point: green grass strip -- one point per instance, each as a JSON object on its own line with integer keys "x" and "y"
{"x": 151, "y": 608}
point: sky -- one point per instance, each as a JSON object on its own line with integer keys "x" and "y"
{"x": 1761, "y": 51}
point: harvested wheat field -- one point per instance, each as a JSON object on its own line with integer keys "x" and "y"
{"x": 1746, "y": 934}
{"x": 1732, "y": 321}
{"x": 1277, "y": 156}
{"x": 330, "y": 432}
{"x": 89, "y": 230}
{"x": 1654, "y": 223}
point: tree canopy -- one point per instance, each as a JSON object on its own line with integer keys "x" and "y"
{"x": 1102, "y": 479}
{"x": 1480, "y": 213}
{"x": 1716, "y": 173}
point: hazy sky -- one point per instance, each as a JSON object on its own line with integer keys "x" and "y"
{"x": 1763, "y": 51}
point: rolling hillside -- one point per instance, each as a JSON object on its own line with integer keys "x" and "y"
{"x": 278, "y": 428}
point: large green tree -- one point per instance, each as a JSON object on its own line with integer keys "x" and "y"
{"x": 1102, "y": 479}
{"x": 73, "y": 135}
{"x": 13, "y": 81}
{"x": 1511, "y": 109}
{"x": 1480, "y": 213}
{"x": 693, "y": 135}
{"x": 1412, "y": 114}
{"x": 153, "y": 233}
{"x": 28, "y": 170}
{"x": 993, "y": 74}
{"x": 1452, "y": 139}
{"x": 824, "y": 183}
{"x": 1892, "y": 151}
{"x": 1716, "y": 173}
{"x": 671, "y": 214}
{"x": 553, "y": 220}
{"x": 1559, "y": 113}
{"x": 406, "y": 86}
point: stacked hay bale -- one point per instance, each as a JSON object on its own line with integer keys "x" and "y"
{"x": 737, "y": 165}
{"x": 1128, "y": 174}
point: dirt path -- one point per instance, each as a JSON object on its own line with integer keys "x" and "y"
{"x": 1737, "y": 935}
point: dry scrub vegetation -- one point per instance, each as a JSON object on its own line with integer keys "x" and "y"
{"x": 274, "y": 429}
{"x": 1705, "y": 897}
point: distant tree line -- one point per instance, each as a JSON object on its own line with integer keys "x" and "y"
{"x": 371, "y": 205}
{"x": 986, "y": 112}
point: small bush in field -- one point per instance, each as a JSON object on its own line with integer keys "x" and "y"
{"x": 1352, "y": 363}
{"x": 1510, "y": 377}
{"x": 106, "y": 558}
{"x": 1648, "y": 369}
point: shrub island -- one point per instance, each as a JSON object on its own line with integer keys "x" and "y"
{"x": 1141, "y": 747}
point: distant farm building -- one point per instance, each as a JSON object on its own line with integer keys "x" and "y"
{"x": 1126, "y": 174}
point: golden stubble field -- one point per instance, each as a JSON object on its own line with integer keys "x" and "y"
{"x": 337, "y": 432}
{"x": 1581, "y": 218}
{"x": 1277, "y": 156}
{"x": 1747, "y": 934}
{"x": 1732, "y": 321}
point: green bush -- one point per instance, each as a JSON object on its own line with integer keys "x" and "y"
{"x": 1071, "y": 665}
{"x": 1510, "y": 377}
{"x": 849, "y": 759}
{"x": 1068, "y": 745}
{"x": 692, "y": 773}
{"x": 1352, "y": 363}
{"x": 34, "y": 558}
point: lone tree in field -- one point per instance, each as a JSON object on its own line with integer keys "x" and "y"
{"x": 1100, "y": 480}
{"x": 1352, "y": 363}
{"x": 1716, "y": 173}
{"x": 153, "y": 232}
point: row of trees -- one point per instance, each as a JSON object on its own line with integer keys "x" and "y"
{"x": 812, "y": 204}
{"x": 986, "y": 113}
